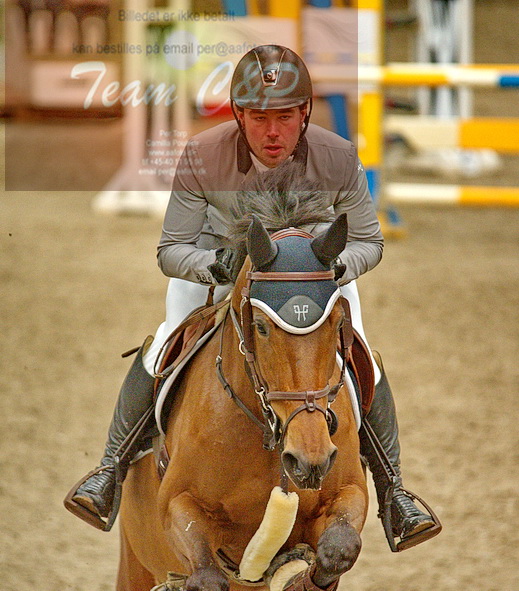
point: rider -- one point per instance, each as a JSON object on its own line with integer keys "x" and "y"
{"x": 271, "y": 98}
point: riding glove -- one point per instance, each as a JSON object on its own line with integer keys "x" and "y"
{"x": 339, "y": 268}
{"x": 222, "y": 269}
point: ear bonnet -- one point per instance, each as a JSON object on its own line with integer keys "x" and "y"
{"x": 298, "y": 306}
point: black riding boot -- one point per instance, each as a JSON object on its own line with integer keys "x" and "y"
{"x": 406, "y": 519}
{"x": 135, "y": 398}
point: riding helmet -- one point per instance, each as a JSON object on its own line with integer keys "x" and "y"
{"x": 270, "y": 77}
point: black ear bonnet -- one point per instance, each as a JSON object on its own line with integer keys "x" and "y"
{"x": 296, "y": 306}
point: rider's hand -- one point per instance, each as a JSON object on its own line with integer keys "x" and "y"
{"x": 222, "y": 269}
{"x": 339, "y": 268}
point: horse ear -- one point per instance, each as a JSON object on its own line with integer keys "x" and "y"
{"x": 261, "y": 248}
{"x": 329, "y": 245}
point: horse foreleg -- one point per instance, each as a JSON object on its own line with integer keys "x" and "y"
{"x": 190, "y": 531}
{"x": 132, "y": 576}
{"x": 338, "y": 531}
{"x": 337, "y": 550}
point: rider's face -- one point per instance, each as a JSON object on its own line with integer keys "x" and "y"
{"x": 272, "y": 134}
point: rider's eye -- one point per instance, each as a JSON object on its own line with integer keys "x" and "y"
{"x": 261, "y": 327}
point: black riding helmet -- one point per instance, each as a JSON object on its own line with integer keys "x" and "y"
{"x": 271, "y": 77}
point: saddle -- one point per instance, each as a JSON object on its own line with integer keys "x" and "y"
{"x": 180, "y": 346}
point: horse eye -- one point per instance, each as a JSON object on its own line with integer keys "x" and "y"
{"x": 261, "y": 327}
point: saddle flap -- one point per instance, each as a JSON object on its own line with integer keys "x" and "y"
{"x": 180, "y": 348}
{"x": 362, "y": 366}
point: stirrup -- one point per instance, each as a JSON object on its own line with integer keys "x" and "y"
{"x": 89, "y": 516}
{"x": 121, "y": 460}
{"x": 415, "y": 539}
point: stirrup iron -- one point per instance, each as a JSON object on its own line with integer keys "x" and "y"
{"x": 120, "y": 464}
{"x": 89, "y": 516}
{"x": 415, "y": 539}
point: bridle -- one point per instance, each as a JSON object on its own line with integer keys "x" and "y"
{"x": 274, "y": 433}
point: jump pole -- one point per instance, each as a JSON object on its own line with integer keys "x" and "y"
{"x": 415, "y": 74}
{"x": 442, "y": 195}
{"x": 426, "y": 132}
{"x": 473, "y": 133}
{"x": 505, "y": 76}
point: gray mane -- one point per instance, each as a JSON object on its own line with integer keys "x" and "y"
{"x": 282, "y": 198}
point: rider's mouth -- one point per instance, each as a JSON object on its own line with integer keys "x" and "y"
{"x": 273, "y": 150}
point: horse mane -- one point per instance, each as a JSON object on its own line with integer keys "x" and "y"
{"x": 281, "y": 198}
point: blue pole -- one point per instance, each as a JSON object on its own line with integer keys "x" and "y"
{"x": 235, "y": 7}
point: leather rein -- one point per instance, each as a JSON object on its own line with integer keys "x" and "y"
{"x": 273, "y": 432}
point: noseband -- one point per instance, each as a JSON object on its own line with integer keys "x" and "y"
{"x": 274, "y": 433}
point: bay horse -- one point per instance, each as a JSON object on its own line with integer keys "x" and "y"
{"x": 213, "y": 495}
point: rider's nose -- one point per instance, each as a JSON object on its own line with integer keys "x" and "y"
{"x": 272, "y": 130}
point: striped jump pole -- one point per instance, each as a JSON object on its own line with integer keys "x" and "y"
{"x": 497, "y": 76}
{"x": 428, "y": 132}
{"x": 442, "y": 195}
{"x": 413, "y": 74}
{"x": 475, "y": 133}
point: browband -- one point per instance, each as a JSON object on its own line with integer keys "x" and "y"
{"x": 290, "y": 232}
{"x": 290, "y": 275}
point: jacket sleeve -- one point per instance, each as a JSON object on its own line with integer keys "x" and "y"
{"x": 178, "y": 254}
{"x": 365, "y": 240}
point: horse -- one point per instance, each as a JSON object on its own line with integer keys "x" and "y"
{"x": 257, "y": 370}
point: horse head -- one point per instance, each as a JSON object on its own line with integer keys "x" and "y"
{"x": 291, "y": 317}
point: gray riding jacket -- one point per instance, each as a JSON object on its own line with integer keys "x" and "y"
{"x": 215, "y": 165}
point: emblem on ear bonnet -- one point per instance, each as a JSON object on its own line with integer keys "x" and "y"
{"x": 296, "y": 306}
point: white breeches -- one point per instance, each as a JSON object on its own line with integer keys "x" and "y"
{"x": 184, "y": 296}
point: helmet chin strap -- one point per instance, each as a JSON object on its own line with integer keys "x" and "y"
{"x": 240, "y": 126}
{"x": 306, "y": 123}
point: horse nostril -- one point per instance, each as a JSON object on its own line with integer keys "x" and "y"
{"x": 293, "y": 466}
{"x": 305, "y": 474}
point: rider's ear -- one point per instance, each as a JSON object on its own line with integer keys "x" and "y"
{"x": 261, "y": 248}
{"x": 240, "y": 114}
{"x": 329, "y": 245}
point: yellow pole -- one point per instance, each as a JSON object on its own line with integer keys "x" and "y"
{"x": 285, "y": 8}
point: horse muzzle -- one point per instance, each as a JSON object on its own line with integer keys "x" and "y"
{"x": 303, "y": 472}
